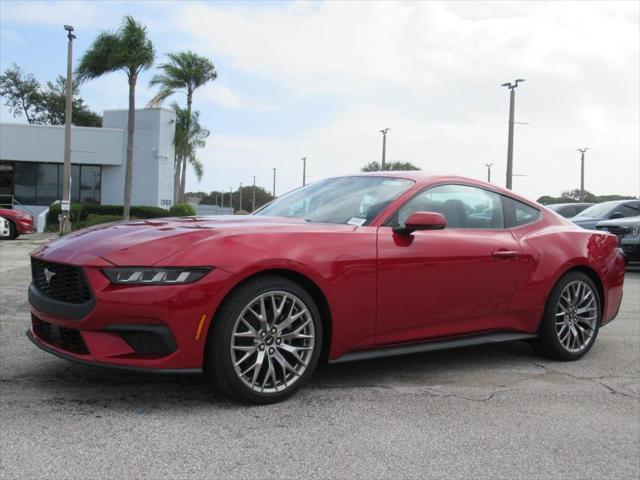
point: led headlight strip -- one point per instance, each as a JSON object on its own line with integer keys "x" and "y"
{"x": 155, "y": 276}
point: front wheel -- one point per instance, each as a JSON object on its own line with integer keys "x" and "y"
{"x": 265, "y": 341}
{"x": 571, "y": 319}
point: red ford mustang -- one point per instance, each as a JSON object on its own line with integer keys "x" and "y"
{"x": 19, "y": 222}
{"x": 346, "y": 268}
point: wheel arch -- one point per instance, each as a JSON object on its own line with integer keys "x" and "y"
{"x": 305, "y": 282}
{"x": 593, "y": 276}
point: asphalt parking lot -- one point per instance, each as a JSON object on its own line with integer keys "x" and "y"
{"x": 487, "y": 412}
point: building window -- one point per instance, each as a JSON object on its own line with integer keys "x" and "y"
{"x": 47, "y": 185}
{"x": 41, "y": 183}
{"x": 90, "y": 184}
{"x": 24, "y": 188}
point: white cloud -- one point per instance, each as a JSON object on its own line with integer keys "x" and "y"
{"x": 431, "y": 71}
{"x": 428, "y": 70}
{"x": 220, "y": 93}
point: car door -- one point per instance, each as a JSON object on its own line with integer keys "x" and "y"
{"x": 440, "y": 283}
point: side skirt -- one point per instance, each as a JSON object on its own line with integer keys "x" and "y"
{"x": 434, "y": 345}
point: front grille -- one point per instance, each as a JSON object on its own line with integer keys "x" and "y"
{"x": 60, "y": 282}
{"x": 68, "y": 339}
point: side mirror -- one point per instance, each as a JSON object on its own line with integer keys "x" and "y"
{"x": 615, "y": 215}
{"x": 422, "y": 221}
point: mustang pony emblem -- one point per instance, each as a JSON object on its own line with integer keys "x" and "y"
{"x": 48, "y": 275}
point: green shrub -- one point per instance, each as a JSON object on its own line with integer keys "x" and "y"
{"x": 95, "y": 219}
{"x": 149, "y": 212}
{"x": 52, "y": 224}
{"x": 182, "y": 210}
{"x": 80, "y": 213}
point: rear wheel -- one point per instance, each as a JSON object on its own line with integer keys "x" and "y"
{"x": 265, "y": 341}
{"x": 571, "y": 320}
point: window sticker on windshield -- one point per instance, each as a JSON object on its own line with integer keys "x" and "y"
{"x": 357, "y": 221}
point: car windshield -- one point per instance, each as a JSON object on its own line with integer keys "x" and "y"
{"x": 348, "y": 200}
{"x": 598, "y": 211}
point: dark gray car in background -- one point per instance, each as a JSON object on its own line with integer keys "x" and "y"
{"x": 568, "y": 210}
{"x": 628, "y": 232}
{"x": 617, "y": 209}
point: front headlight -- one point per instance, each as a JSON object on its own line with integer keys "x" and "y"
{"x": 155, "y": 276}
{"x": 634, "y": 231}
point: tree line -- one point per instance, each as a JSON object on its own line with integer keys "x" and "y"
{"x": 217, "y": 197}
{"x": 573, "y": 196}
{"x": 128, "y": 50}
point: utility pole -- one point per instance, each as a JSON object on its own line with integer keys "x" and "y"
{"x": 488, "y": 165}
{"x": 384, "y": 132}
{"x": 253, "y": 200}
{"x": 304, "y": 171}
{"x": 582, "y": 152}
{"x": 240, "y": 194}
{"x": 512, "y": 104}
{"x": 65, "y": 224}
{"x": 274, "y": 183}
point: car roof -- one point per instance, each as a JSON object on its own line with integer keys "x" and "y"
{"x": 572, "y": 204}
{"x": 618, "y": 202}
{"x": 422, "y": 178}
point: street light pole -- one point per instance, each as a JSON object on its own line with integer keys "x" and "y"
{"x": 274, "y": 183}
{"x": 488, "y": 165}
{"x": 384, "y": 132}
{"x": 512, "y": 104}
{"x": 65, "y": 226}
{"x": 582, "y": 152}
{"x": 304, "y": 171}
{"x": 253, "y": 200}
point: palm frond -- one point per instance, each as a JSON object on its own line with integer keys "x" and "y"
{"x": 197, "y": 166}
{"x": 128, "y": 49}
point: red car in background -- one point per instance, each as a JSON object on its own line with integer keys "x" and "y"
{"x": 346, "y": 268}
{"x": 20, "y": 222}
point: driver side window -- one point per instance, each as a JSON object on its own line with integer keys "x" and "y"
{"x": 463, "y": 206}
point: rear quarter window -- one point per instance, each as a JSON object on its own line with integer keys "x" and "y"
{"x": 517, "y": 213}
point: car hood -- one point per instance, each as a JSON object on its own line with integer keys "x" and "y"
{"x": 147, "y": 242}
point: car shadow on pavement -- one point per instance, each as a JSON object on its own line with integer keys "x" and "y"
{"x": 89, "y": 389}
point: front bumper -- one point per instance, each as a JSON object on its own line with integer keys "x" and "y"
{"x": 90, "y": 362}
{"x": 24, "y": 225}
{"x": 138, "y": 328}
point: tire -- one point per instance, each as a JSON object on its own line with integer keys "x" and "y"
{"x": 13, "y": 231}
{"x": 260, "y": 363}
{"x": 571, "y": 319}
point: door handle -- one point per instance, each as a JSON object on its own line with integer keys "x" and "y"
{"x": 504, "y": 254}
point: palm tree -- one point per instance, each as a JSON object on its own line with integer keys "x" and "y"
{"x": 128, "y": 49}
{"x": 184, "y": 72}
{"x": 188, "y": 138}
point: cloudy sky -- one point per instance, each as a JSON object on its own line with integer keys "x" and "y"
{"x": 320, "y": 79}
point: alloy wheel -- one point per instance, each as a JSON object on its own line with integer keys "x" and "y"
{"x": 576, "y": 316}
{"x": 272, "y": 342}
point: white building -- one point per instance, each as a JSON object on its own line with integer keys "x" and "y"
{"x": 31, "y": 158}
